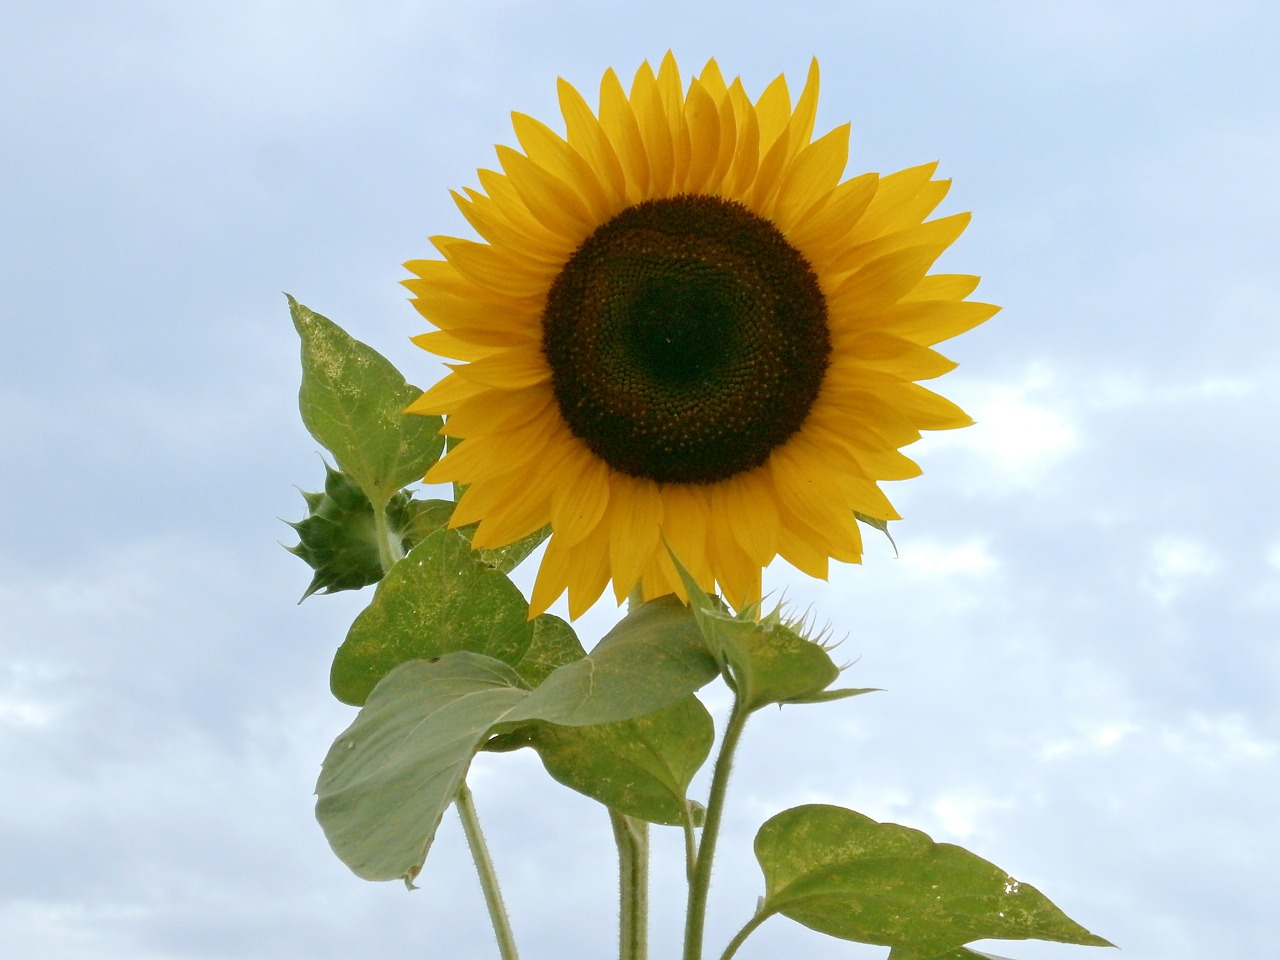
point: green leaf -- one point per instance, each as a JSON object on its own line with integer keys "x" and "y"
{"x": 436, "y": 514}
{"x": 959, "y": 953}
{"x": 554, "y": 644}
{"x": 765, "y": 660}
{"x": 438, "y": 599}
{"x": 652, "y": 658}
{"x": 388, "y": 779}
{"x": 352, "y": 401}
{"x": 843, "y": 874}
{"x": 641, "y": 767}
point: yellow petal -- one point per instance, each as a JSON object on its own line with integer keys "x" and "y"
{"x": 619, "y": 121}
{"x": 646, "y": 102}
{"x": 635, "y": 519}
{"x": 814, "y": 173}
{"x": 587, "y": 136}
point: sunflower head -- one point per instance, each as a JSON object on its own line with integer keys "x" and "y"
{"x": 680, "y": 323}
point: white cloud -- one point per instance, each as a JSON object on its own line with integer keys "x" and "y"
{"x": 961, "y": 812}
{"x": 1174, "y": 564}
{"x": 1216, "y": 740}
{"x": 1024, "y": 430}
{"x": 928, "y": 558}
{"x": 1090, "y": 739}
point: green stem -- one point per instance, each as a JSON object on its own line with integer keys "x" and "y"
{"x": 488, "y": 878}
{"x": 389, "y": 547}
{"x": 696, "y": 916}
{"x": 632, "y": 837}
{"x": 690, "y": 841}
{"x": 742, "y": 934}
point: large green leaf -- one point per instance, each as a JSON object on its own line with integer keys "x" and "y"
{"x": 440, "y": 598}
{"x": 652, "y": 658}
{"x": 388, "y": 779}
{"x": 352, "y": 400}
{"x": 846, "y": 875}
{"x": 641, "y": 767}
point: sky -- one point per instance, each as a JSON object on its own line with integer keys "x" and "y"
{"x": 1077, "y": 634}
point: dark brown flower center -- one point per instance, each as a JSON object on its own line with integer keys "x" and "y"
{"x": 687, "y": 339}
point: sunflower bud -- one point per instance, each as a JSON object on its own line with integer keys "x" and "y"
{"x": 338, "y": 538}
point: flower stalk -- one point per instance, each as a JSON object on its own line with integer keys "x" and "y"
{"x": 699, "y": 887}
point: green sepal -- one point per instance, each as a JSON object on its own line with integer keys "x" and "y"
{"x": 439, "y": 599}
{"x": 338, "y": 537}
{"x": 878, "y": 524}
{"x": 763, "y": 659}
{"x": 844, "y": 874}
{"x": 352, "y": 401}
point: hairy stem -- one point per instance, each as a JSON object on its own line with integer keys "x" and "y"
{"x": 696, "y": 916}
{"x": 632, "y": 837}
{"x": 741, "y": 936}
{"x": 488, "y": 878}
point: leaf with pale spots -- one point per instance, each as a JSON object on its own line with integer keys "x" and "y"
{"x": 846, "y": 875}
{"x": 352, "y": 401}
{"x": 641, "y": 767}
{"x": 439, "y": 599}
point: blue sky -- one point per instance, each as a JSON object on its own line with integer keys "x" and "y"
{"x": 1079, "y": 636}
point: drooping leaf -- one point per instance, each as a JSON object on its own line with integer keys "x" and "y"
{"x": 352, "y": 401}
{"x": 438, "y": 599}
{"x": 652, "y": 658}
{"x": 390, "y": 776}
{"x": 641, "y": 767}
{"x": 388, "y": 779}
{"x": 846, "y": 875}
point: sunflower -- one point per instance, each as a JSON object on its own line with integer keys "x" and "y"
{"x": 682, "y": 327}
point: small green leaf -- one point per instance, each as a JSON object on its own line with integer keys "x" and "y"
{"x": 438, "y": 599}
{"x": 843, "y": 874}
{"x": 352, "y": 401}
{"x": 651, "y": 659}
{"x": 641, "y": 767}
{"x": 388, "y": 779}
